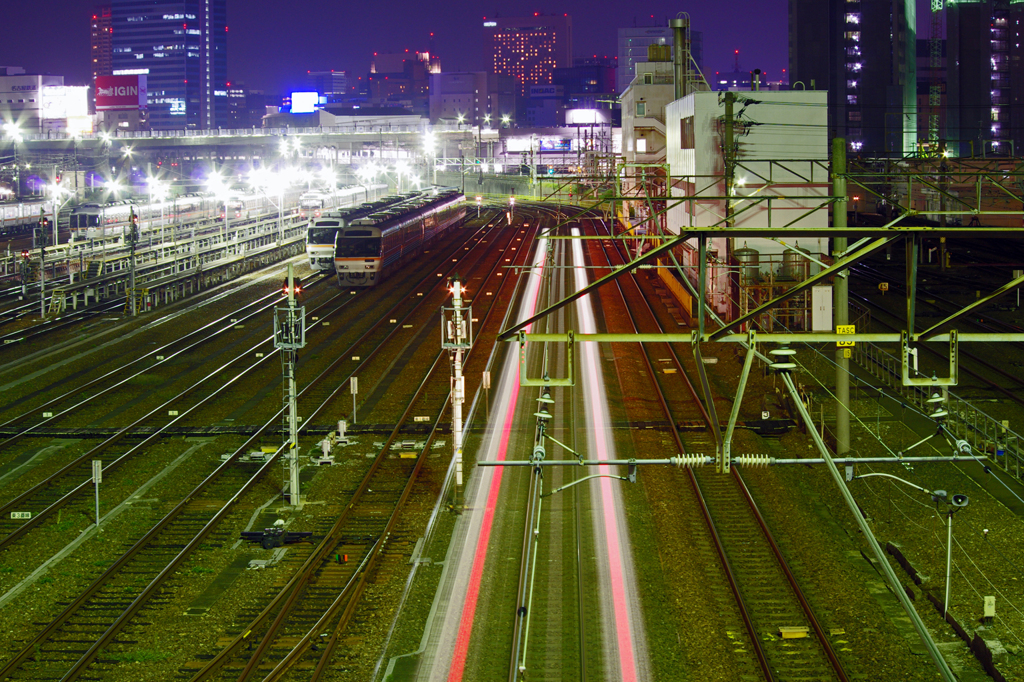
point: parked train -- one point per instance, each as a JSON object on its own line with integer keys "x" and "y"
{"x": 19, "y": 217}
{"x": 95, "y": 221}
{"x": 314, "y": 204}
{"x": 369, "y": 249}
{"x": 321, "y": 233}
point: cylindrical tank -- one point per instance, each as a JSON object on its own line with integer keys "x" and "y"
{"x": 749, "y": 261}
{"x": 794, "y": 264}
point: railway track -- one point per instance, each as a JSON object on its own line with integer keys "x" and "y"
{"x": 109, "y": 575}
{"x": 321, "y": 604}
{"x": 767, "y": 596}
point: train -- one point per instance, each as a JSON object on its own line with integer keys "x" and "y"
{"x": 371, "y": 248}
{"x": 19, "y": 217}
{"x": 109, "y": 219}
{"x": 314, "y": 204}
{"x": 322, "y": 231}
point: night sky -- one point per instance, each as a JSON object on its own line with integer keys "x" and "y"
{"x": 271, "y": 43}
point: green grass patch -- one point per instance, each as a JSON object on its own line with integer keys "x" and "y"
{"x": 201, "y": 569}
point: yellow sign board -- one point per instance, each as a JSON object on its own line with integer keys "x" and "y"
{"x": 846, "y": 329}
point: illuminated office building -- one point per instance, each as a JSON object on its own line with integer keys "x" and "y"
{"x": 181, "y": 48}
{"x": 864, "y": 53}
{"x": 100, "y": 47}
{"x": 528, "y": 48}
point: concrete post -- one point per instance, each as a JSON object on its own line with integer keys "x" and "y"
{"x": 840, "y": 296}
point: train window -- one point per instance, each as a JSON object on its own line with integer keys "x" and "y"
{"x": 358, "y": 233}
{"x": 322, "y": 235}
{"x": 364, "y": 247}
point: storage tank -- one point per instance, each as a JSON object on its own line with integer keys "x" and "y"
{"x": 795, "y": 264}
{"x": 749, "y": 261}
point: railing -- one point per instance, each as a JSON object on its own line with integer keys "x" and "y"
{"x": 422, "y": 126}
{"x": 987, "y": 436}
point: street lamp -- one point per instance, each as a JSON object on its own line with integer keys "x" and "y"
{"x": 158, "y": 192}
{"x": 13, "y": 131}
{"x": 429, "y": 149}
{"x": 216, "y": 184}
{"x": 505, "y": 120}
{"x": 270, "y": 184}
{"x": 954, "y": 503}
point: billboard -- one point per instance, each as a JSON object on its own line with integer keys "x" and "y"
{"x": 120, "y": 92}
{"x": 304, "y": 102}
{"x": 544, "y": 91}
{"x": 62, "y": 101}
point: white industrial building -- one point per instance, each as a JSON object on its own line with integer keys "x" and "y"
{"x": 789, "y": 128}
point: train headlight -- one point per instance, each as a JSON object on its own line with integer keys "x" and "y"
{"x": 369, "y": 267}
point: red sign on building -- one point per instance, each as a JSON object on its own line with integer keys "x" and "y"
{"x": 120, "y": 92}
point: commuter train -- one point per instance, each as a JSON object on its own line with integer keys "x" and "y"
{"x": 314, "y": 204}
{"x": 370, "y": 249}
{"x": 96, "y": 221}
{"x": 321, "y": 233}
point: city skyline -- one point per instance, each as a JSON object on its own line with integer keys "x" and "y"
{"x": 53, "y": 36}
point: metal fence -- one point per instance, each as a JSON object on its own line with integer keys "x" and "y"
{"x": 987, "y": 436}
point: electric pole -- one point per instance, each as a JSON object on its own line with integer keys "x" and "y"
{"x": 290, "y": 336}
{"x": 457, "y": 338}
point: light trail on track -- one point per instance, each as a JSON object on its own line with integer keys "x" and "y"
{"x": 495, "y": 448}
{"x": 621, "y": 586}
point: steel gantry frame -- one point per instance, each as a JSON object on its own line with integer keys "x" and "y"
{"x": 987, "y": 179}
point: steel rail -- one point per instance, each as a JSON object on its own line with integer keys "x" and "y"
{"x": 294, "y": 656}
{"x": 221, "y": 658}
{"x": 125, "y": 617}
{"x": 108, "y": 636}
{"x": 752, "y": 633}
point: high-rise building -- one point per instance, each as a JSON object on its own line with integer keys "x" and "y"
{"x": 181, "y": 47}
{"x": 332, "y": 85}
{"x": 864, "y": 53}
{"x": 481, "y": 98}
{"x": 633, "y": 44}
{"x": 985, "y": 82}
{"x": 100, "y": 47}
{"x": 528, "y": 48}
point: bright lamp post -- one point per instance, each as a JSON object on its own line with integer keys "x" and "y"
{"x": 216, "y": 184}
{"x": 158, "y": 192}
{"x": 429, "y": 150}
{"x": 271, "y": 184}
{"x": 12, "y": 131}
{"x": 57, "y": 193}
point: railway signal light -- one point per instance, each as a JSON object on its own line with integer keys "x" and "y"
{"x": 297, "y": 288}
{"x": 24, "y": 254}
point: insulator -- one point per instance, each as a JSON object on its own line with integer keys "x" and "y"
{"x": 754, "y": 460}
{"x": 689, "y": 460}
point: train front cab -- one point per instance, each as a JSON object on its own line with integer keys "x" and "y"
{"x": 357, "y": 257}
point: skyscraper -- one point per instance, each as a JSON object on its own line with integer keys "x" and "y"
{"x": 985, "y": 86}
{"x": 528, "y": 48}
{"x": 864, "y": 53}
{"x": 181, "y": 46}
{"x": 100, "y": 48}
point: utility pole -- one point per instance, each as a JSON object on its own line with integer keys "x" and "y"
{"x": 840, "y": 296}
{"x": 457, "y": 338}
{"x": 133, "y": 238}
{"x": 289, "y": 337}
{"x": 41, "y": 240}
